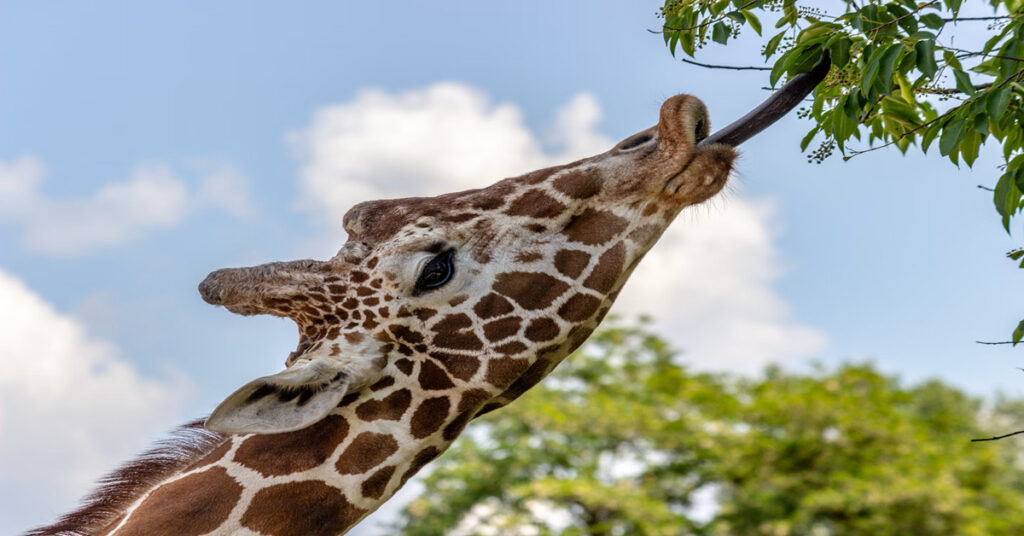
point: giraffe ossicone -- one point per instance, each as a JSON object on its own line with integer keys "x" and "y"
{"x": 435, "y": 311}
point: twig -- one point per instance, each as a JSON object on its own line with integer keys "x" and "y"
{"x": 990, "y": 190}
{"x": 733, "y": 67}
{"x": 987, "y": 342}
{"x": 712, "y": 21}
{"x": 996, "y": 438}
{"x": 897, "y": 19}
{"x": 997, "y": 17}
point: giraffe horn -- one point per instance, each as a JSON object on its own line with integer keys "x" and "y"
{"x": 773, "y": 108}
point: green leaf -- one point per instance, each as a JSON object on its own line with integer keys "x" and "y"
{"x": 752, "y": 21}
{"x": 952, "y": 135}
{"x": 926, "y": 57}
{"x": 807, "y": 139}
{"x": 886, "y": 65}
{"x": 780, "y": 67}
{"x": 1018, "y": 333}
{"x": 720, "y": 33}
{"x": 932, "y": 21}
{"x": 773, "y": 44}
{"x": 997, "y": 101}
{"x": 840, "y": 51}
{"x": 929, "y": 136}
{"x": 963, "y": 82}
{"x": 867, "y": 81}
{"x": 950, "y": 58}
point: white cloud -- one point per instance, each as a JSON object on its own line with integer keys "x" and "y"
{"x": 708, "y": 283}
{"x": 153, "y": 198}
{"x": 70, "y": 408}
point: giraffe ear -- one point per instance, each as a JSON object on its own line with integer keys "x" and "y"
{"x": 289, "y": 400}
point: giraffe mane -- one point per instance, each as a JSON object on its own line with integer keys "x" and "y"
{"x": 119, "y": 489}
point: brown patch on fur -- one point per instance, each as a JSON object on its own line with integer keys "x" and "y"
{"x": 528, "y": 379}
{"x": 579, "y": 308}
{"x": 571, "y": 263}
{"x": 422, "y": 458}
{"x": 404, "y": 333}
{"x": 594, "y": 227}
{"x": 458, "y": 424}
{"x": 365, "y": 452}
{"x": 511, "y": 348}
{"x": 125, "y": 485}
{"x": 462, "y": 367}
{"x": 308, "y": 508}
{"x": 503, "y": 328}
{"x": 608, "y": 269}
{"x": 374, "y": 486}
{"x": 531, "y": 290}
{"x": 291, "y": 452}
{"x": 193, "y": 505}
{"x": 578, "y": 184}
{"x": 535, "y": 204}
{"x": 429, "y": 416}
{"x": 389, "y": 408}
{"x": 492, "y": 305}
{"x": 433, "y": 378}
{"x": 383, "y": 383}
{"x": 353, "y": 337}
{"x": 404, "y": 365}
{"x": 452, "y": 332}
{"x": 542, "y": 329}
{"x": 529, "y": 256}
{"x": 504, "y": 370}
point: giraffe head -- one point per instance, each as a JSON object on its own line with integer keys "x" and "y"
{"x": 483, "y": 289}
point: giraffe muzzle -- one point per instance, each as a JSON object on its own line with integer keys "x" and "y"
{"x": 262, "y": 289}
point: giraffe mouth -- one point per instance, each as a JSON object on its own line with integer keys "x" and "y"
{"x": 262, "y": 289}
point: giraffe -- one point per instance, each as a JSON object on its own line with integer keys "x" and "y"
{"x": 435, "y": 311}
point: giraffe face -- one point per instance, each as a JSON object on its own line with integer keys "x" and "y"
{"x": 488, "y": 287}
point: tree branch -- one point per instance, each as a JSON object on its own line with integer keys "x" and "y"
{"x": 987, "y": 342}
{"x": 732, "y": 67}
{"x": 996, "y": 438}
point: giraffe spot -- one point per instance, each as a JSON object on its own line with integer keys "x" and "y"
{"x": 372, "y": 263}
{"x": 424, "y": 313}
{"x": 389, "y": 408}
{"x": 504, "y": 370}
{"x": 644, "y": 234}
{"x": 487, "y": 203}
{"x": 371, "y": 301}
{"x": 307, "y": 508}
{"x": 608, "y": 269}
{"x": 213, "y": 455}
{"x": 501, "y": 329}
{"x": 454, "y": 428}
{"x": 511, "y": 348}
{"x": 579, "y": 308}
{"x": 429, "y": 416}
{"x": 537, "y": 228}
{"x": 383, "y": 383}
{"x": 404, "y": 365}
{"x": 354, "y": 337}
{"x": 531, "y": 290}
{"x": 492, "y": 305}
{"x": 196, "y": 504}
{"x": 528, "y": 379}
{"x": 489, "y": 408}
{"x": 535, "y": 203}
{"x": 462, "y": 367}
{"x": 404, "y": 333}
{"x": 350, "y": 303}
{"x": 458, "y": 300}
{"x": 433, "y": 378}
{"x": 374, "y": 486}
{"x": 290, "y": 452}
{"x": 362, "y": 292}
{"x": 421, "y": 459}
{"x": 337, "y": 290}
{"x": 542, "y": 329}
{"x": 571, "y": 263}
{"x": 529, "y": 256}
{"x": 453, "y": 323}
{"x": 472, "y": 398}
{"x": 594, "y": 227}
{"x": 578, "y": 184}
{"x": 357, "y": 276}
{"x": 348, "y": 399}
{"x": 365, "y": 452}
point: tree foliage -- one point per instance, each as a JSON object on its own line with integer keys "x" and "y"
{"x": 897, "y": 77}
{"x": 623, "y": 439}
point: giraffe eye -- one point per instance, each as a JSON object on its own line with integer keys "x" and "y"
{"x": 437, "y": 272}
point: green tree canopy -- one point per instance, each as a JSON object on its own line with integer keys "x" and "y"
{"x": 904, "y": 74}
{"x": 623, "y": 439}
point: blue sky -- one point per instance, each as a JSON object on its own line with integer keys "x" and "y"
{"x": 142, "y": 146}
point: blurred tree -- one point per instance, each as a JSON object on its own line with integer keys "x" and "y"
{"x": 623, "y": 440}
{"x": 904, "y": 73}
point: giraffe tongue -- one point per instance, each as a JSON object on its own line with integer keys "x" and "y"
{"x": 772, "y": 109}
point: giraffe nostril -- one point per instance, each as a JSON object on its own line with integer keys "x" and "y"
{"x": 700, "y": 131}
